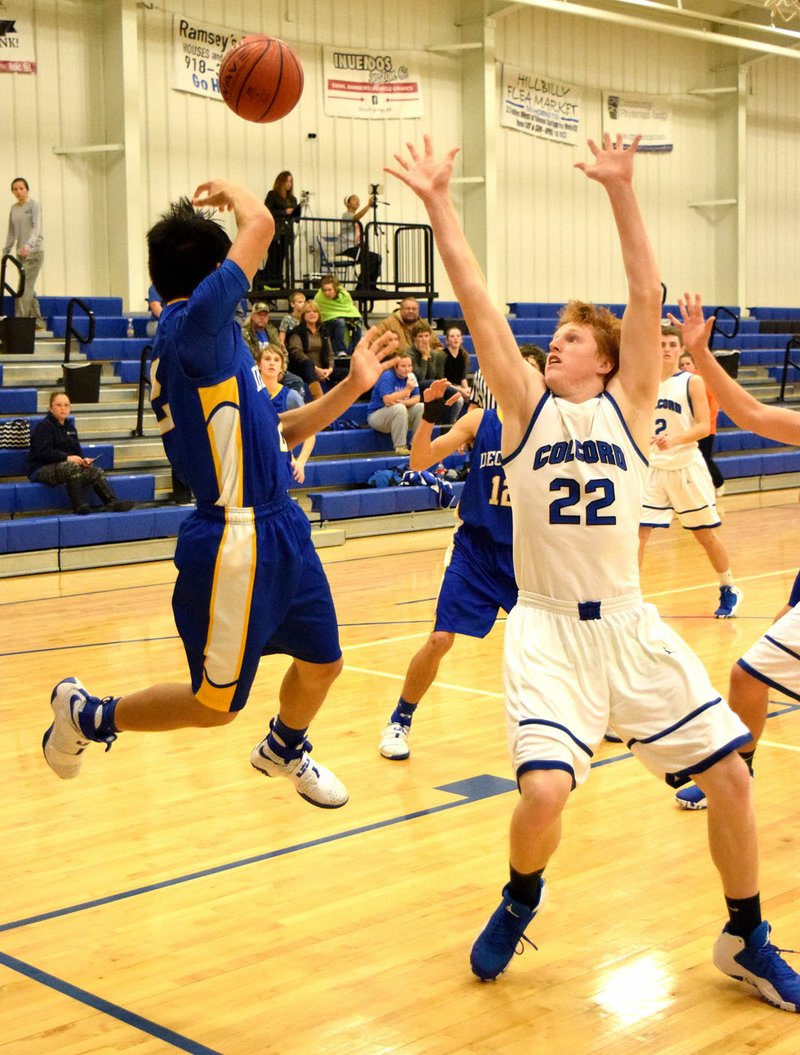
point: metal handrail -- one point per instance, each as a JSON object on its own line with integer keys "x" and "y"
{"x": 4, "y": 286}
{"x": 139, "y": 430}
{"x": 72, "y": 332}
{"x": 793, "y": 342}
{"x": 717, "y": 329}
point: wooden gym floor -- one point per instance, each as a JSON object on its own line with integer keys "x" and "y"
{"x": 171, "y": 899}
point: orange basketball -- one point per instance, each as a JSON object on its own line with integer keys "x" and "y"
{"x": 261, "y": 79}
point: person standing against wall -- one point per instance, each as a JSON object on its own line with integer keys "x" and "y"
{"x": 25, "y": 231}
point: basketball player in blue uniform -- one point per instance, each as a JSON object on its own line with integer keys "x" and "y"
{"x": 479, "y": 572}
{"x": 678, "y": 481}
{"x": 249, "y": 580}
{"x": 772, "y": 662}
{"x": 581, "y": 646}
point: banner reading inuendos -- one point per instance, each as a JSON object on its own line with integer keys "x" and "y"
{"x": 647, "y": 116}
{"x": 17, "y": 52}
{"x": 540, "y": 106}
{"x": 359, "y": 83}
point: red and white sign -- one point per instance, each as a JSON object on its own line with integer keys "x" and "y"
{"x": 369, "y": 84}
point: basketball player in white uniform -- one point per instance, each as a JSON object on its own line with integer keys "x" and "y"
{"x": 581, "y": 645}
{"x": 678, "y": 481}
{"x": 774, "y": 660}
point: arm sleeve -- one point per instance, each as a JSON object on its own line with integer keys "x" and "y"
{"x": 36, "y": 230}
{"x": 211, "y": 310}
{"x": 10, "y": 236}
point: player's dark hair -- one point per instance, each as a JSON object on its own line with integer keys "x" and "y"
{"x": 184, "y": 247}
{"x": 533, "y": 351}
{"x": 19, "y": 179}
{"x": 672, "y": 331}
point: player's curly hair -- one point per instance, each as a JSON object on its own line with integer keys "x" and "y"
{"x": 603, "y": 323}
{"x": 184, "y": 246}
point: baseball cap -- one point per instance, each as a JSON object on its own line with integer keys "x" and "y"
{"x": 260, "y": 305}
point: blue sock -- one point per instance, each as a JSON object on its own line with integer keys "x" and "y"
{"x": 96, "y": 719}
{"x": 403, "y": 712}
{"x": 284, "y": 741}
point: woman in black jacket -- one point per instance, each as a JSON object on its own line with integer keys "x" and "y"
{"x": 55, "y": 457}
{"x": 309, "y": 349}
{"x": 285, "y": 210}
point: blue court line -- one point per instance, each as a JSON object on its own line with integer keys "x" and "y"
{"x": 129, "y": 1018}
{"x": 471, "y": 790}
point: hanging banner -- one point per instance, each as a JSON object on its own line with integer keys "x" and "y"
{"x": 371, "y": 84}
{"x": 540, "y": 106}
{"x": 17, "y": 52}
{"x": 197, "y": 50}
{"x": 634, "y": 115}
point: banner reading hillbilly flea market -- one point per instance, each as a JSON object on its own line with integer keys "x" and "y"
{"x": 360, "y": 83}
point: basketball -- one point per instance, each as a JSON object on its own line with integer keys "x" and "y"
{"x": 261, "y": 79}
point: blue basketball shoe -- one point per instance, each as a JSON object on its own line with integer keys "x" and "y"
{"x": 77, "y": 721}
{"x": 758, "y": 962}
{"x": 730, "y": 597}
{"x": 505, "y": 931}
{"x": 691, "y": 798}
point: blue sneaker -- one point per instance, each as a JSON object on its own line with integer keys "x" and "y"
{"x": 498, "y": 941}
{"x": 730, "y": 597}
{"x": 77, "y": 716}
{"x": 691, "y": 798}
{"x": 758, "y": 962}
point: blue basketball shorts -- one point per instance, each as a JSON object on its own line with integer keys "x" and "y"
{"x": 478, "y": 581}
{"x": 249, "y": 584}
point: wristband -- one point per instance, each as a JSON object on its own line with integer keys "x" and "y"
{"x": 433, "y": 410}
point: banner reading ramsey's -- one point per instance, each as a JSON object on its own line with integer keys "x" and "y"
{"x": 358, "y": 83}
{"x": 17, "y": 52}
{"x": 197, "y": 50}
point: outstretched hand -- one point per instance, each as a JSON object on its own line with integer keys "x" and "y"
{"x": 426, "y": 176}
{"x": 437, "y": 389}
{"x": 216, "y": 194}
{"x": 694, "y": 328}
{"x": 612, "y": 161}
{"x": 371, "y": 357}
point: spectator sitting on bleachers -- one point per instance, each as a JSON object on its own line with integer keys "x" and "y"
{"x": 401, "y": 322}
{"x": 272, "y": 362}
{"x": 156, "y": 306}
{"x": 258, "y": 331}
{"x": 309, "y": 349}
{"x": 456, "y": 367}
{"x": 297, "y": 299}
{"x": 55, "y": 457}
{"x": 395, "y": 407}
{"x": 341, "y": 319}
{"x": 426, "y": 355}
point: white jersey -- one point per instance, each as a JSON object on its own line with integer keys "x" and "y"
{"x": 674, "y": 414}
{"x": 576, "y": 483}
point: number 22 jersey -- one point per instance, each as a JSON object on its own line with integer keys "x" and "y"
{"x": 576, "y": 483}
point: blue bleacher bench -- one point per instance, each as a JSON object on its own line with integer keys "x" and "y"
{"x": 15, "y": 462}
{"x": 370, "y": 502}
{"x": 18, "y": 498}
{"x": 18, "y": 400}
{"x": 61, "y": 532}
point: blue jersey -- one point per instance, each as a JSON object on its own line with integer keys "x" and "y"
{"x": 219, "y": 427}
{"x": 485, "y": 505}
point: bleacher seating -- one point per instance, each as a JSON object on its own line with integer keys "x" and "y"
{"x": 345, "y": 457}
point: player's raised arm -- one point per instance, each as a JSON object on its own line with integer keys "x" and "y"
{"x": 515, "y": 387}
{"x": 254, "y": 224}
{"x": 777, "y": 423}
{"x": 640, "y": 341}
